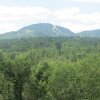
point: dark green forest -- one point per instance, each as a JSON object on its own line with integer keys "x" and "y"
{"x": 46, "y": 68}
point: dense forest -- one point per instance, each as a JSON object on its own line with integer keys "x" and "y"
{"x": 50, "y": 68}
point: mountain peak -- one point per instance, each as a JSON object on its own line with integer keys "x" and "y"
{"x": 39, "y": 30}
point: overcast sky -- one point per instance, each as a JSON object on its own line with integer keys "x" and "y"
{"x": 76, "y": 15}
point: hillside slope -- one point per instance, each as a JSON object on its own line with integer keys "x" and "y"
{"x": 92, "y": 33}
{"x": 39, "y": 30}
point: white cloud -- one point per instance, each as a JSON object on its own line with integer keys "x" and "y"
{"x": 6, "y": 27}
{"x": 76, "y": 20}
{"x": 66, "y": 13}
{"x": 88, "y": 18}
{"x": 13, "y": 18}
{"x": 80, "y": 27}
{"x": 88, "y": 1}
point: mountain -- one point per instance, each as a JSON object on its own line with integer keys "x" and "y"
{"x": 92, "y": 33}
{"x": 39, "y": 30}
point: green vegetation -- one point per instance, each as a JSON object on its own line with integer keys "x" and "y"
{"x": 55, "y": 68}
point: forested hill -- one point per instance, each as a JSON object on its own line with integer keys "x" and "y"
{"x": 39, "y": 30}
{"x": 91, "y": 33}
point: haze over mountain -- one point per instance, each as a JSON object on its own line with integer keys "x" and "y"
{"x": 47, "y": 30}
{"x": 39, "y": 30}
{"x": 91, "y": 33}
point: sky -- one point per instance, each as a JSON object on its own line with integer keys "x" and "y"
{"x": 76, "y": 15}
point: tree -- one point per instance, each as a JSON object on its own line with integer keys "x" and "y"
{"x": 39, "y": 82}
{"x": 18, "y": 72}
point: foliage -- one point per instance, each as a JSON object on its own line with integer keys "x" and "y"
{"x": 50, "y": 69}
